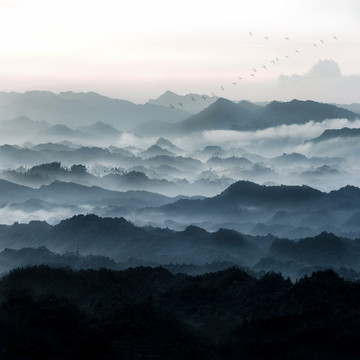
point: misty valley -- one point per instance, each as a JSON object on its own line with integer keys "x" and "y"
{"x": 188, "y": 227}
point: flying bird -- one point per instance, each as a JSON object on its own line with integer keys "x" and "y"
{"x": 180, "y": 104}
{"x": 273, "y": 61}
{"x": 251, "y": 34}
{"x": 315, "y": 45}
{"x": 286, "y": 38}
{"x": 335, "y": 37}
{"x": 222, "y": 88}
{"x": 297, "y": 51}
{"x": 213, "y": 94}
{"x": 322, "y": 41}
{"x": 204, "y": 97}
{"x": 264, "y": 67}
{"x": 234, "y": 83}
{"x": 253, "y": 75}
{"x": 192, "y": 98}
{"x": 287, "y": 56}
{"x": 240, "y": 78}
{"x": 172, "y": 106}
{"x": 266, "y": 38}
{"x": 254, "y": 70}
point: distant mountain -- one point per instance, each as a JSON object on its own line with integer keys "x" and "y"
{"x": 51, "y": 146}
{"x": 63, "y": 131}
{"x": 331, "y": 134}
{"x": 13, "y": 192}
{"x": 192, "y": 103}
{"x": 82, "y": 109}
{"x": 252, "y": 208}
{"x": 221, "y": 115}
{"x": 225, "y": 115}
{"x": 168, "y": 145}
{"x": 100, "y": 129}
{"x": 156, "y": 150}
{"x": 20, "y": 129}
{"x": 251, "y": 107}
{"x": 59, "y": 192}
{"x": 351, "y": 107}
{"x": 299, "y": 112}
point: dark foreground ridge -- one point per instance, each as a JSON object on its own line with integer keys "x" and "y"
{"x": 149, "y": 313}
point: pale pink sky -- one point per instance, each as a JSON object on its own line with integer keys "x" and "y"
{"x": 136, "y": 50}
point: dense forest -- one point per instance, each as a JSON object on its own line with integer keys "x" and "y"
{"x": 150, "y": 313}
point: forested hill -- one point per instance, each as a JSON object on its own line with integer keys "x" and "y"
{"x": 149, "y": 313}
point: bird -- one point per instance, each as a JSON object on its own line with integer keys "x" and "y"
{"x": 277, "y": 59}
{"x": 172, "y": 106}
{"x": 335, "y": 37}
{"x": 251, "y": 34}
{"x": 254, "y": 70}
{"x": 297, "y": 51}
{"x": 240, "y": 78}
{"x": 266, "y": 38}
{"x": 253, "y": 75}
{"x": 287, "y": 56}
{"x": 322, "y": 41}
{"x": 273, "y": 61}
{"x": 234, "y": 83}
{"x": 222, "y": 88}
{"x": 315, "y": 45}
{"x": 192, "y": 98}
{"x": 264, "y": 67}
{"x": 213, "y": 94}
{"x": 204, "y": 97}
{"x": 180, "y": 104}
{"x": 286, "y": 38}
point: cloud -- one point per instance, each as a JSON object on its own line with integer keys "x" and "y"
{"x": 272, "y": 141}
{"x": 324, "y": 82}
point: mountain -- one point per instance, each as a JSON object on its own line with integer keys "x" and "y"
{"x": 286, "y": 211}
{"x": 221, "y": 115}
{"x": 299, "y": 112}
{"x": 21, "y": 129}
{"x": 100, "y": 129}
{"x": 156, "y": 150}
{"x": 82, "y": 109}
{"x": 192, "y": 103}
{"x": 249, "y": 106}
{"x": 351, "y": 107}
{"x": 331, "y": 134}
{"x": 150, "y": 313}
{"x": 168, "y": 145}
{"x": 225, "y": 115}
{"x": 13, "y": 192}
{"x": 63, "y": 131}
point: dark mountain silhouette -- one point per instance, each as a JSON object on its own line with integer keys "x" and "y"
{"x": 253, "y": 207}
{"x": 144, "y": 312}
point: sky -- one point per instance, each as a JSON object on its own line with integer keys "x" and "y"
{"x": 136, "y": 50}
